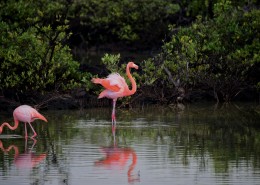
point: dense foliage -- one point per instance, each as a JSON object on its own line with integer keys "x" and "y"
{"x": 219, "y": 55}
{"x": 121, "y": 20}
{"x": 34, "y": 55}
{"x": 207, "y": 46}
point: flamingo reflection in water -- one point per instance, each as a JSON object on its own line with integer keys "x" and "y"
{"x": 119, "y": 157}
{"x": 25, "y": 160}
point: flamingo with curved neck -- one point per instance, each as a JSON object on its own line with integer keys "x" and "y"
{"x": 26, "y": 114}
{"x": 116, "y": 86}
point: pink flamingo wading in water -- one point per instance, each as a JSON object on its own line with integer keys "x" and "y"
{"x": 26, "y": 114}
{"x": 116, "y": 86}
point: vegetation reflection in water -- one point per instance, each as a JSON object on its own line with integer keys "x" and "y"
{"x": 150, "y": 145}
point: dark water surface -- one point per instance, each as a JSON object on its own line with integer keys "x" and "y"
{"x": 202, "y": 144}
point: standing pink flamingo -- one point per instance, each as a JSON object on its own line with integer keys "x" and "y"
{"x": 116, "y": 86}
{"x": 26, "y": 114}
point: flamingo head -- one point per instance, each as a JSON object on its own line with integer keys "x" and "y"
{"x": 132, "y": 65}
{"x": 37, "y": 115}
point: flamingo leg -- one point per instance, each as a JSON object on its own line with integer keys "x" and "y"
{"x": 114, "y": 134}
{"x": 114, "y": 112}
{"x": 25, "y": 128}
{"x": 35, "y": 134}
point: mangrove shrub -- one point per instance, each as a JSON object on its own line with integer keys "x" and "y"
{"x": 220, "y": 55}
{"x": 34, "y": 54}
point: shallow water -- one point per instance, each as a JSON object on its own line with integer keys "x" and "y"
{"x": 202, "y": 144}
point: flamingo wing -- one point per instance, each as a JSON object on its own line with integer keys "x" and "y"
{"x": 116, "y": 80}
{"x": 115, "y": 86}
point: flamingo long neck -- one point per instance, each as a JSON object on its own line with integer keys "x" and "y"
{"x": 16, "y": 123}
{"x": 133, "y": 90}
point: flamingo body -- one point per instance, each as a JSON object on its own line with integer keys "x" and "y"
{"x": 26, "y": 114}
{"x": 116, "y": 86}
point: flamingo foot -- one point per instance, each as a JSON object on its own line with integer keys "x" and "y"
{"x": 34, "y": 135}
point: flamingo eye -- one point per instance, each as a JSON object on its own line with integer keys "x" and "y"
{"x": 133, "y": 65}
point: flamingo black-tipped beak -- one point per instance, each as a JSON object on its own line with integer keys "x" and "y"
{"x": 44, "y": 119}
{"x": 41, "y": 117}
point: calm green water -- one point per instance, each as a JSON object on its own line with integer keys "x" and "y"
{"x": 202, "y": 144}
